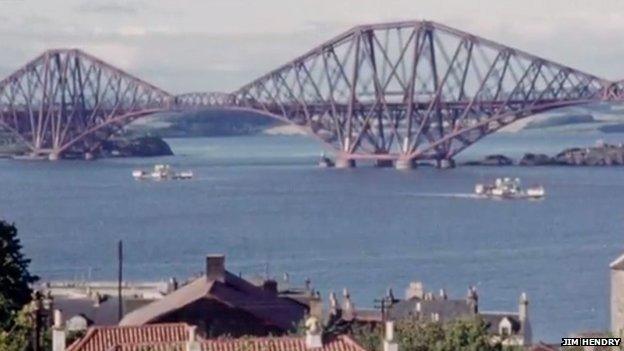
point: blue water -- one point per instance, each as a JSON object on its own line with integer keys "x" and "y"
{"x": 262, "y": 201}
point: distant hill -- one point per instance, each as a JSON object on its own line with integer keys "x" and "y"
{"x": 601, "y": 117}
{"x": 560, "y": 120}
{"x": 203, "y": 124}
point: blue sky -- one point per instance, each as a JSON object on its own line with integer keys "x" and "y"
{"x": 218, "y": 45}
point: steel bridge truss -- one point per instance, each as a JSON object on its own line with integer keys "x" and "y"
{"x": 395, "y": 91}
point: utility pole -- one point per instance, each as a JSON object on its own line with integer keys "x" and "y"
{"x": 119, "y": 280}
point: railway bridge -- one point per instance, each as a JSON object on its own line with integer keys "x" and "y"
{"x": 395, "y": 93}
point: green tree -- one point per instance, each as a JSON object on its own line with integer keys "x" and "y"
{"x": 413, "y": 335}
{"x": 15, "y": 279}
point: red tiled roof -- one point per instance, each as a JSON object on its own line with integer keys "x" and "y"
{"x": 105, "y": 338}
{"x": 341, "y": 343}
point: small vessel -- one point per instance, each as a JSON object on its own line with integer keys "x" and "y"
{"x": 507, "y": 188}
{"x": 161, "y": 172}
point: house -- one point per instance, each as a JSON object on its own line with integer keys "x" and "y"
{"x": 86, "y": 304}
{"x": 512, "y": 328}
{"x": 83, "y": 312}
{"x": 221, "y": 303}
{"x": 617, "y": 296}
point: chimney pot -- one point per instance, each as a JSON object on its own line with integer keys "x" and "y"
{"x": 192, "y": 344}
{"x": 58, "y": 333}
{"x": 192, "y": 333}
{"x": 58, "y": 319}
{"x": 388, "y": 343}
{"x": 316, "y": 307}
{"x": 215, "y": 267}
{"x": 313, "y": 337}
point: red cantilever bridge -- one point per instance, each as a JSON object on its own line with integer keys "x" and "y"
{"x": 399, "y": 92}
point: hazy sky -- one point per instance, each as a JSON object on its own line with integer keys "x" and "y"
{"x": 187, "y": 45}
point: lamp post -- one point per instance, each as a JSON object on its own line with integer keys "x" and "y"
{"x": 35, "y": 313}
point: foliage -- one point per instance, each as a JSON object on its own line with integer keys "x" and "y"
{"x": 14, "y": 276}
{"x": 414, "y": 335}
{"x": 16, "y": 322}
{"x": 19, "y": 336}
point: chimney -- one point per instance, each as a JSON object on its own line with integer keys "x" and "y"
{"x": 215, "y": 267}
{"x": 348, "y": 310}
{"x": 316, "y": 307}
{"x": 415, "y": 290}
{"x": 192, "y": 344}
{"x": 270, "y": 286}
{"x": 389, "y": 344}
{"x": 172, "y": 285}
{"x": 523, "y": 315}
{"x": 334, "y": 309}
{"x": 313, "y": 337}
{"x": 58, "y": 332}
{"x": 443, "y": 295}
{"x": 473, "y": 299}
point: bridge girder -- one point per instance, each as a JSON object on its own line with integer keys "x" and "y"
{"x": 406, "y": 90}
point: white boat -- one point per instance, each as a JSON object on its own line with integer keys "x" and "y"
{"x": 507, "y": 188}
{"x": 161, "y": 172}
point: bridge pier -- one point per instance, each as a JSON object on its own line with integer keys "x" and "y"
{"x": 405, "y": 164}
{"x": 445, "y": 163}
{"x": 343, "y": 162}
{"x": 54, "y": 156}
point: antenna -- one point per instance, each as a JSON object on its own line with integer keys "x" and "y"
{"x": 119, "y": 279}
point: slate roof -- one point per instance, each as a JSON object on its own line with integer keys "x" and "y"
{"x": 104, "y": 314}
{"x": 445, "y": 308}
{"x": 233, "y": 291}
{"x": 493, "y": 320}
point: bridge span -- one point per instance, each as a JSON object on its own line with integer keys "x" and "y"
{"x": 392, "y": 92}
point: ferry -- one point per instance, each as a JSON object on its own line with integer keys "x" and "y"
{"x": 161, "y": 172}
{"x": 507, "y": 188}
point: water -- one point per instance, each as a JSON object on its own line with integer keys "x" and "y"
{"x": 262, "y": 201}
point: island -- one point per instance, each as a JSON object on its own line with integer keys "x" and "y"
{"x": 602, "y": 154}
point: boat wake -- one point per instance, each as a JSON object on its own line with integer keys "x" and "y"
{"x": 447, "y": 195}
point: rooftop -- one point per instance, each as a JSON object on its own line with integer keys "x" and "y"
{"x": 174, "y": 337}
{"x": 218, "y": 284}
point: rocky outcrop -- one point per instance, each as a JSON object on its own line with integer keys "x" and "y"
{"x": 600, "y": 155}
{"x": 603, "y": 155}
{"x": 136, "y": 147}
{"x": 492, "y": 160}
{"x": 530, "y": 159}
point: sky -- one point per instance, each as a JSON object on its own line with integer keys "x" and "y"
{"x": 219, "y": 45}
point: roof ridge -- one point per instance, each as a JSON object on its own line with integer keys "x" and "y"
{"x": 156, "y": 325}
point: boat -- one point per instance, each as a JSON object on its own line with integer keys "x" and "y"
{"x": 507, "y": 188}
{"x": 161, "y": 172}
